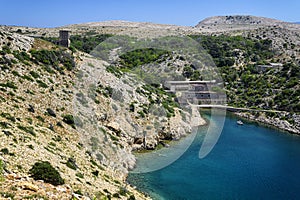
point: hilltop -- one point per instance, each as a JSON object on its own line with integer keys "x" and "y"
{"x": 240, "y": 20}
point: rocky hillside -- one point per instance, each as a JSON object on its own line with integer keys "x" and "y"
{"x": 239, "y": 20}
{"x": 67, "y": 108}
{"x": 236, "y": 23}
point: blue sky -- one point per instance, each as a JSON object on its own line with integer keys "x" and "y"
{"x": 52, "y": 13}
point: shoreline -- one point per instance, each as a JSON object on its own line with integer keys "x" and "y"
{"x": 277, "y": 123}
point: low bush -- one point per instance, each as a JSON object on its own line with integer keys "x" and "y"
{"x": 8, "y": 117}
{"x": 42, "y": 84}
{"x": 68, "y": 119}
{"x": 44, "y": 171}
{"x": 4, "y": 151}
{"x": 51, "y": 112}
{"x": 71, "y": 163}
{"x": 29, "y": 130}
{"x": 9, "y": 84}
{"x": 54, "y": 58}
{"x": 34, "y": 74}
{"x": 1, "y": 170}
{"x": 131, "y": 197}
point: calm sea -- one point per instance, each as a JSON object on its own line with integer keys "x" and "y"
{"x": 248, "y": 162}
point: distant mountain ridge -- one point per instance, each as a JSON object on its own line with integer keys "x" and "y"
{"x": 239, "y": 20}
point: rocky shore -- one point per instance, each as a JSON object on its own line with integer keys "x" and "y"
{"x": 275, "y": 122}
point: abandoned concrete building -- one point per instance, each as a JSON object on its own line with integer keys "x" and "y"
{"x": 196, "y": 92}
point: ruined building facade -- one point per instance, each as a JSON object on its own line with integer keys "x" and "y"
{"x": 64, "y": 38}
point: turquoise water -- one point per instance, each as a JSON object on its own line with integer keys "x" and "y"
{"x": 248, "y": 162}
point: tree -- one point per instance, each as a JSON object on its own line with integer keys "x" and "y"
{"x": 187, "y": 71}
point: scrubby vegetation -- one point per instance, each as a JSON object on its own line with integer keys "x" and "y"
{"x": 71, "y": 163}
{"x": 58, "y": 59}
{"x": 166, "y": 100}
{"x": 141, "y": 56}
{"x": 28, "y": 129}
{"x": 276, "y": 89}
{"x": 225, "y": 49}
{"x": 9, "y": 84}
{"x": 87, "y": 43}
{"x": 44, "y": 171}
{"x": 68, "y": 119}
{"x": 1, "y": 170}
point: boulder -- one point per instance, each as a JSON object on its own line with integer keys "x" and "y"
{"x": 28, "y": 186}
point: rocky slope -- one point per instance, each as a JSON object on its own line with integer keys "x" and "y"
{"x": 240, "y": 20}
{"x": 66, "y": 108}
{"x": 34, "y": 100}
{"x": 284, "y": 35}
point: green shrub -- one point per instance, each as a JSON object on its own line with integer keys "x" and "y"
{"x": 68, "y": 119}
{"x": 78, "y": 192}
{"x": 26, "y": 77}
{"x": 53, "y": 58}
{"x": 1, "y": 170}
{"x": 122, "y": 191}
{"x": 44, "y": 171}
{"x": 79, "y": 175}
{"x": 40, "y": 118}
{"x": 116, "y": 195}
{"x": 15, "y": 73}
{"x": 87, "y": 43}
{"x": 29, "y": 130}
{"x": 71, "y": 163}
{"x": 114, "y": 138}
{"x": 34, "y": 74}
{"x": 7, "y": 195}
{"x": 2, "y": 99}
{"x": 4, "y": 151}
{"x": 141, "y": 56}
{"x": 42, "y": 84}
{"x": 141, "y": 113}
{"x": 131, "y": 197}
{"x": 131, "y": 107}
{"x": 95, "y": 173}
{"x": 114, "y": 70}
{"x": 8, "y": 117}
{"x": 4, "y": 125}
{"x": 21, "y": 56}
{"x": 9, "y": 84}
{"x": 106, "y": 191}
{"x": 59, "y": 124}
{"x": 5, "y": 50}
{"x": 30, "y": 146}
{"x": 222, "y": 48}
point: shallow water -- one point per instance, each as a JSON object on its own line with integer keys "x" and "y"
{"x": 248, "y": 162}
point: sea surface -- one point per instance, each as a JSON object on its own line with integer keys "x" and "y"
{"x": 249, "y": 161}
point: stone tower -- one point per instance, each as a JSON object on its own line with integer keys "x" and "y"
{"x": 64, "y": 38}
